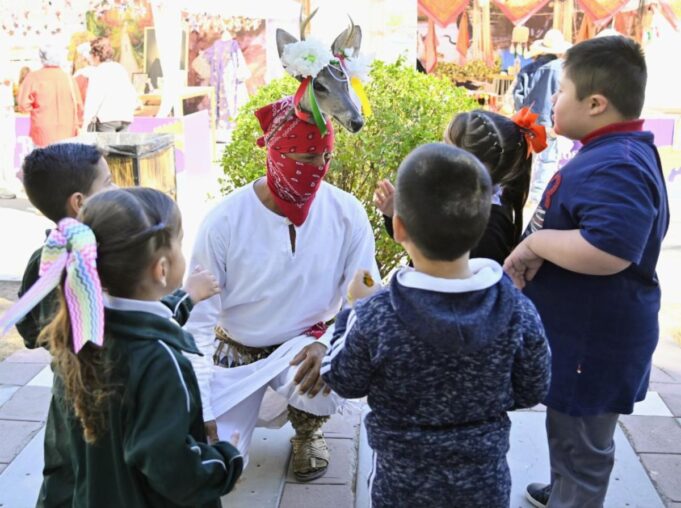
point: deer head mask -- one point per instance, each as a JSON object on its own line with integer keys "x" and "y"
{"x": 323, "y": 76}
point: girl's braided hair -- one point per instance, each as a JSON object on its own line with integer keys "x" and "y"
{"x": 501, "y": 146}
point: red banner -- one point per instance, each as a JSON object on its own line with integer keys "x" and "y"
{"x": 600, "y": 10}
{"x": 443, "y": 12}
{"x": 519, "y": 11}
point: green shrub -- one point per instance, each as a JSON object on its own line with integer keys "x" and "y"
{"x": 409, "y": 108}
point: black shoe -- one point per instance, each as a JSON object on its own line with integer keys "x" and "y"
{"x": 6, "y": 194}
{"x": 538, "y": 494}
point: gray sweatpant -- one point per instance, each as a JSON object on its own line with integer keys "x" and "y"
{"x": 582, "y": 454}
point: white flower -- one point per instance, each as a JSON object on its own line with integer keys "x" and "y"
{"x": 306, "y": 58}
{"x": 358, "y": 66}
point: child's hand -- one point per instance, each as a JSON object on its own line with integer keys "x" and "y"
{"x": 201, "y": 285}
{"x": 211, "y": 428}
{"x": 522, "y": 264}
{"x": 362, "y": 286}
{"x": 384, "y": 197}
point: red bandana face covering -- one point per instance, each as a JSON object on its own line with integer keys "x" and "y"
{"x": 293, "y": 184}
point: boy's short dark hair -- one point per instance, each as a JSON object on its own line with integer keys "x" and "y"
{"x": 54, "y": 173}
{"x": 443, "y": 196}
{"x": 612, "y": 66}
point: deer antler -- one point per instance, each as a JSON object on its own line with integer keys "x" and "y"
{"x": 303, "y": 24}
{"x": 349, "y": 33}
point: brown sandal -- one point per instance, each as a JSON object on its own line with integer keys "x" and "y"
{"x": 310, "y": 456}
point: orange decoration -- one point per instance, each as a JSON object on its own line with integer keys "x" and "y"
{"x": 462, "y": 41}
{"x": 600, "y": 10}
{"x": 519, "y": 11}
{"x": 535, "y": 134}
{"x": 444, "y": 12}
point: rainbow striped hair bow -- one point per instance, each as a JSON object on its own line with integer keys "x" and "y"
{"x": 72, "y": 247}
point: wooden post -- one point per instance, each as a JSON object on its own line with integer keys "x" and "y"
{"x": 306, "y": 10}
{"x": 476, "y": 21}
{"x": 563, "y": 13}
{"x": 487, "y": 52}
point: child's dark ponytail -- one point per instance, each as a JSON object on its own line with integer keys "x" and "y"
{"x": 132, "y": 228}
{"x": 501, "y": 146}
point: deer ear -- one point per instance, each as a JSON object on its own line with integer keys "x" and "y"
{"x": 350, "y": 38}
{"x": 283, "y": 39}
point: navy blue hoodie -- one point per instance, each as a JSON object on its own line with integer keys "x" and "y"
{"x": 441, "y": 362}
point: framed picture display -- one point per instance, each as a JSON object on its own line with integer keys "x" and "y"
{"x": 152, "y": 58}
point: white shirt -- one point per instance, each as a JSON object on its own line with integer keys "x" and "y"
{"x": 268, "y": 294}
{"x": 127, "y": 304}
{"x": 110, "y": 94}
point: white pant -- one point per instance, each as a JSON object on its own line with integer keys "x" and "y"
{"x": 241, "y": 399}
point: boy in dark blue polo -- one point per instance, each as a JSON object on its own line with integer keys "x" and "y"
{"x": 445, "y": 351}
{"x": 588, "y": 264}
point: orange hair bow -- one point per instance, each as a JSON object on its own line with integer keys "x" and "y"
{"x": 535, "y": 134}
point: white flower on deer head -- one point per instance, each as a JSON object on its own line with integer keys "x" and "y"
{"x": 306, "y": 58}
{"x": 358, "y": 66}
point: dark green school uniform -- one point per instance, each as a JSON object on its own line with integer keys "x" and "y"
{"x": 154, "y": 452}
{"x": 58, "y": 479}
{"x": 30, "y": 326}
{"x": 58, "y": 474}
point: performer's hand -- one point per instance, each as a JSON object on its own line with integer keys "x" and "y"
{"x": 201, "y": 285}
{"x": 211, "y": 427}
{"x": 522, "y": 264}
{"x": 384, "y": 197}
{"x": 308, "y": 377}
{"x": 362, "y": 286}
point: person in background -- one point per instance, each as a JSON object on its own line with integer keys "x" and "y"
{"x": 8, "y": 180}
{"x": 111, "y": 97}
{"x": 83, "y": 68}
{"x": 504, "y": 146}
{"x": 52, "y": 98}
{"x": 536, "y": 85}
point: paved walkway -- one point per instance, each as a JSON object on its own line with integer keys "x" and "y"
{"x": 648, "y": 447}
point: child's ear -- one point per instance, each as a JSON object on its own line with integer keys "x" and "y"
{"x": 159, "y": 271}
{"x": 598, "y": 104}
{"x": 74, "y": 203}
{"x": 399, "y": 231}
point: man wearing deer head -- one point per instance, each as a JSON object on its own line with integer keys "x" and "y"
{"x": 284, "y": 249}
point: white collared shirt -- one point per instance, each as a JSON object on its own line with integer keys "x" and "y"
{"x": 127, "y": 304}
{"x": 486, "y": 273}
{"x": 268, "y": 294}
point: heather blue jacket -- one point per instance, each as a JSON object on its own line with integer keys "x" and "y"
{"x": 543, "y": 85}
{"x": 441, "y": 368}
{"x": 524, "y": 80}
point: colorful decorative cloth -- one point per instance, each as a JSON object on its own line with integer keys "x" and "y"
{"x": 519, "y": 11}
{"x": 72, "y": 246}
{"x": 293, "y": 184}
{"x": 228, "y": 71}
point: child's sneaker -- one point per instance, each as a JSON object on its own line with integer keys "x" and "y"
{"x": 538, "y": 494}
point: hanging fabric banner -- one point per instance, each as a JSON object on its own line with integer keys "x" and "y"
{"x": 462, "y": 41}
{"x": 587, "y": 30}
{"x": 443, "y": 12}
{"x": 601, "y": 10}
{"x": 431, "y": 47}
{"x": 519, "y": 11}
